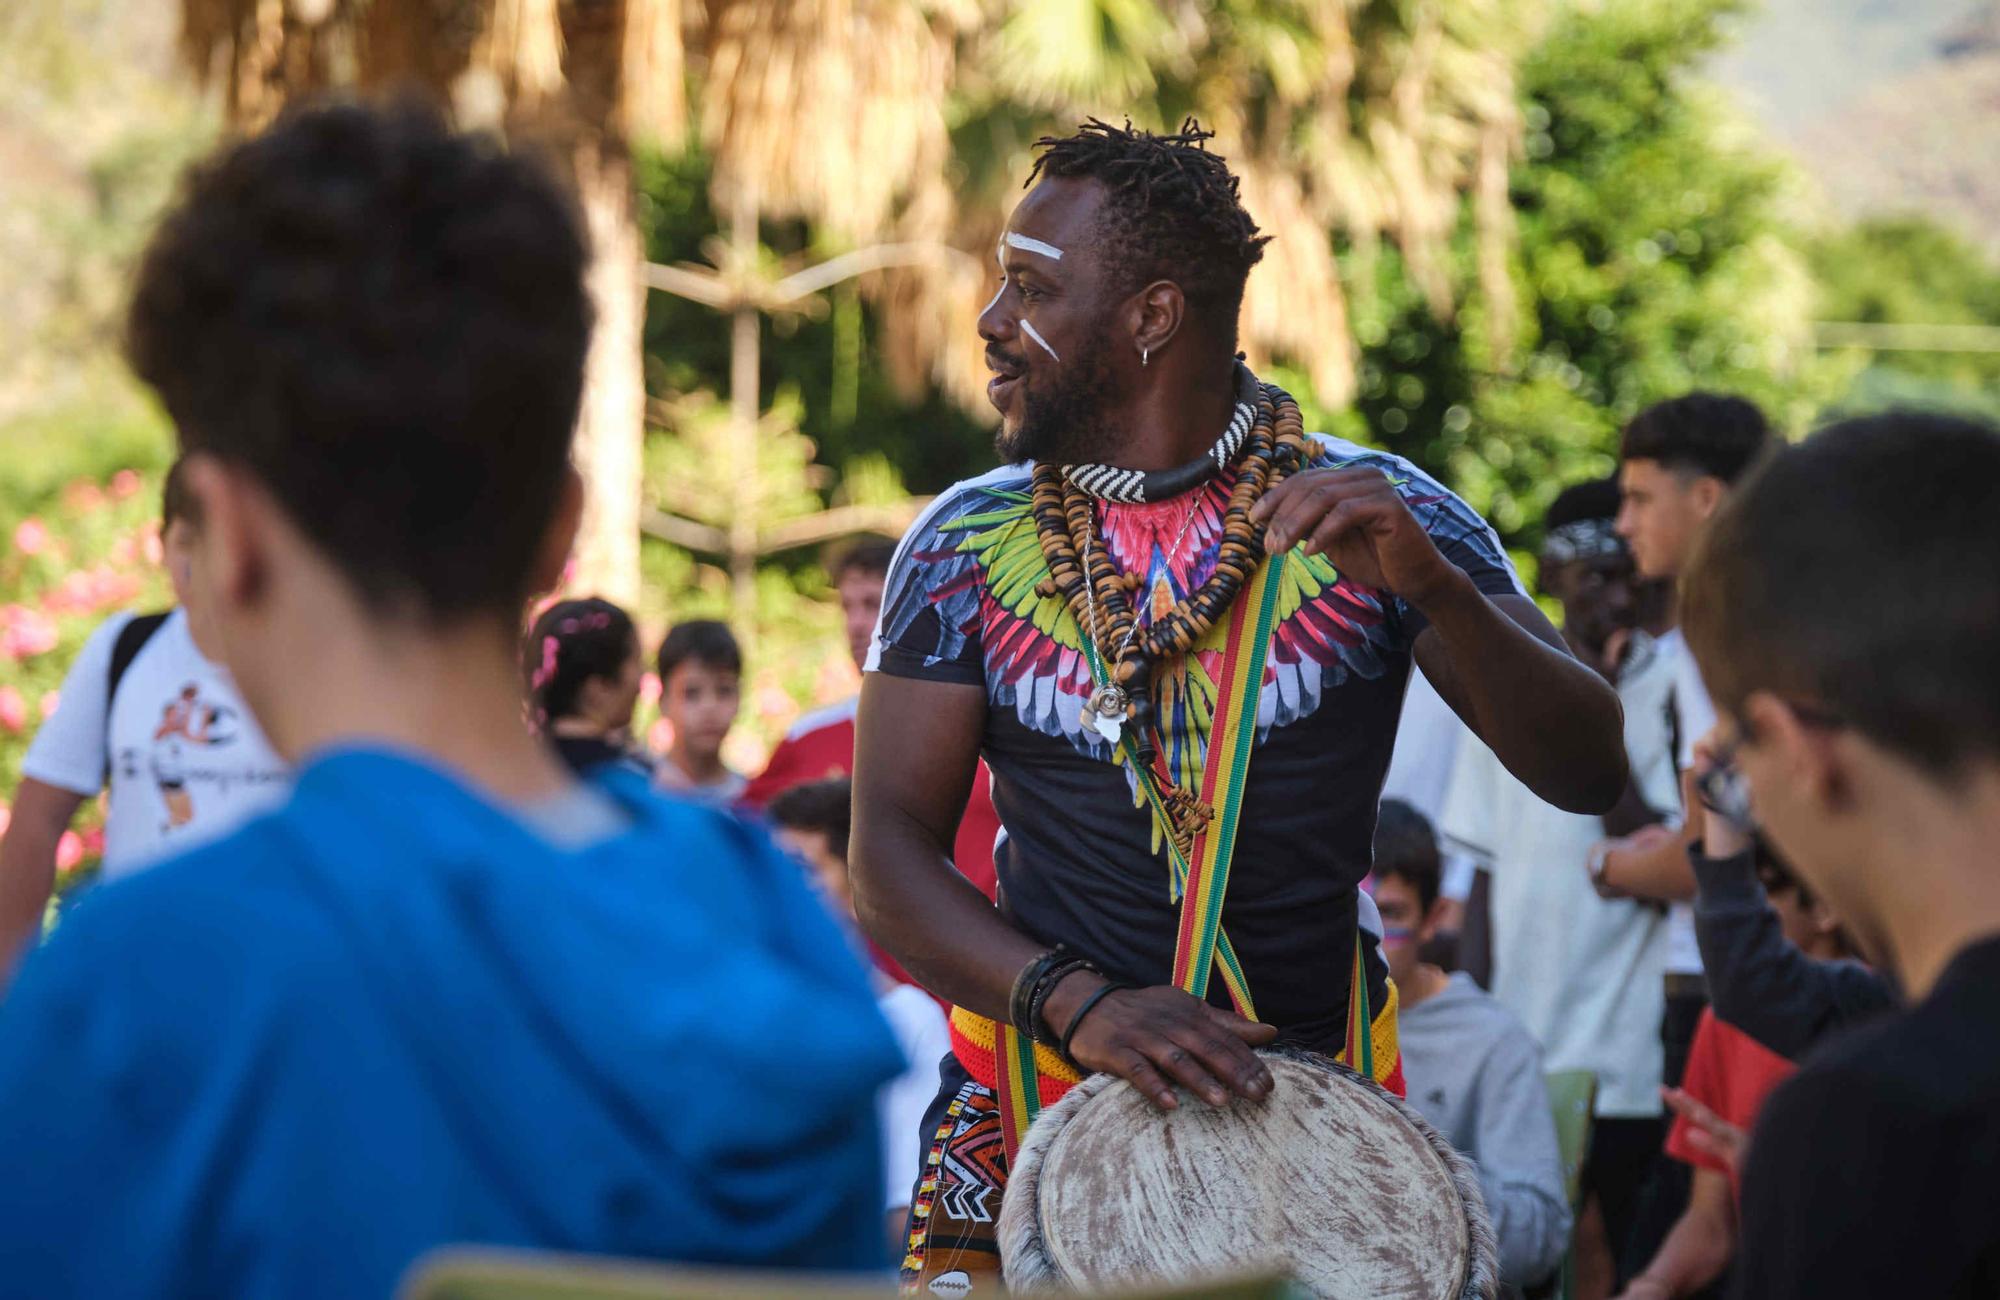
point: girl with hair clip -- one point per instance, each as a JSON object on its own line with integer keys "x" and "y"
{"x": 583, "y": 667}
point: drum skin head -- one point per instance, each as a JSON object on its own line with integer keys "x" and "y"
{"x": 1331, "y": 1179}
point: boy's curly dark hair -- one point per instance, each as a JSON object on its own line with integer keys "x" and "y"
{"x": 1173, "y": 212}
{"x": 385, "y": 323}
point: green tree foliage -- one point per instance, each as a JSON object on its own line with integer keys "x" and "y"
{"x": 848, "y": 405}
{"x": 834, "y": 431}
{"x": 1655, "y": 256}
{"x": 1911, "y": 271}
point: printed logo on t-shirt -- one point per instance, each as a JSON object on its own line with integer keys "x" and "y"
{"x": 186, "y": 760}
{"x": 191, "y": 744}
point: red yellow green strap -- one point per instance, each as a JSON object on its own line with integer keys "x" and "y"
{"x": 1360, "y": 1052}
{"x": 1232, "y": 736}
{"x": 1200, "y": 885}
{"x": 1016, "y": 1091}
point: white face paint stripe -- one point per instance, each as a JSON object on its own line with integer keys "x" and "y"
{"x": 1028, "y": 245}
{"x": 1028, "y": 327}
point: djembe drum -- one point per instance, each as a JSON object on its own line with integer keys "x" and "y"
{"x": 1331, "y": 1178}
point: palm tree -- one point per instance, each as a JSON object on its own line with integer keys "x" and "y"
{"x": 832, "y": 111}
{"x": 578, "y": 79}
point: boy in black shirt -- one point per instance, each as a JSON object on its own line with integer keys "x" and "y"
{"x": 1845, "y": 611}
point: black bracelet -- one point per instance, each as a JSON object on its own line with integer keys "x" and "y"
{"x": 1046, "y": 987}
{"x": 1020, "y": 1001}
{"x": 1076, "y": 1021}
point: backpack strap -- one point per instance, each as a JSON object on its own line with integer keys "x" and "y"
{"x": 1674, "y": 725}
{"x": 131, "y": 640}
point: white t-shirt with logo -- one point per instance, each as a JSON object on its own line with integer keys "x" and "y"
{"x": 1583, "y": 973}
{"x": 187, "y": 762}
{"x": 1428, "y": 738}
{"x": 1694, "y": 717}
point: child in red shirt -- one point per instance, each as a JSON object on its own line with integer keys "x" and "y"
{"x": 1729, "y": 1074}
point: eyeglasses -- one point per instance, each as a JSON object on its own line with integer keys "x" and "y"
{"x": 1724, "y": 789}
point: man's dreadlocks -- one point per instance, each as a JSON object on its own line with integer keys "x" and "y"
{"x": 1172, "y": 212}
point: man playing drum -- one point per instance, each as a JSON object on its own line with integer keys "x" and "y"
{"x": 1178, "y": 629}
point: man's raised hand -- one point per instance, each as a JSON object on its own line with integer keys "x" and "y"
{"x": 1360, "y": 521}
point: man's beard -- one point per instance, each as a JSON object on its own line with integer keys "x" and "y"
{"x": 1071, "y": 422}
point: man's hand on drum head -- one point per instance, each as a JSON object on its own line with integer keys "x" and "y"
{"x": 1154, "y": 1038}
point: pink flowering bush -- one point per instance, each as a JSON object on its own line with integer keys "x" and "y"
{"x": 71, "y": 556}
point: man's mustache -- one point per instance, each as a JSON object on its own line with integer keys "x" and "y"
{"x": 1001, "y": 364}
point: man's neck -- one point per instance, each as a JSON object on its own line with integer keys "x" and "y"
{"x": 1938, "y": 885}
{"x": 1176, "y": 417}
{"x": 452, "y": 694}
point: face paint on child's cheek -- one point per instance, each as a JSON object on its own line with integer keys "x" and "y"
{"x": 1398, "y": 936}
{"x": 1028, "y": 328}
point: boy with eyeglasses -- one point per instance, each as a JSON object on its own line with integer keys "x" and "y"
{"x": 1845, "y": 614}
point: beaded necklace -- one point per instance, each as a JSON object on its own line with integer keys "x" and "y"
{"x": 1099, "y": 596}
{"x": 1139, "y": 487}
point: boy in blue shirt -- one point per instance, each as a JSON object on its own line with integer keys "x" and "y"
{"x": 445, "y": 993}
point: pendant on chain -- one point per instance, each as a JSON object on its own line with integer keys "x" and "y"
{"x": 1105, "y": 711}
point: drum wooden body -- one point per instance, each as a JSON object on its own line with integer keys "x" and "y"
{"x": 1331, "y": 1178}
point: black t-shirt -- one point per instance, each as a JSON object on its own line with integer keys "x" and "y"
{"x": 1079, "y": 860}
{"x": 1870, "y": 1171}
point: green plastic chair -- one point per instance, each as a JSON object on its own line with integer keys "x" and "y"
{"x": 1573, "y": 1102}
{"x": 469, "y": 1273}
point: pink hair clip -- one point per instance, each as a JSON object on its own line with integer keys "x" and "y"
{"x": 546, "y": 673}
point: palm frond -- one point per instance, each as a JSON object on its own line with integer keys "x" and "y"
{"x": 825, "y": 109}
{"x": 1293, "y": 305}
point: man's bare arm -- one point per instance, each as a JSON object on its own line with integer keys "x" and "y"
{"x": 916, "y": 752}
{"x": 1651, "y": 864}
{"x": 1553, "y": 723}
{"x": 40, "y": 815}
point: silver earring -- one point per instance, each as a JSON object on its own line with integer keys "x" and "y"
{"x": 1144, "y": 353}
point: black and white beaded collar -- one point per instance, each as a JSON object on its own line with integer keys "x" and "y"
{"x": 1137, "y": 487}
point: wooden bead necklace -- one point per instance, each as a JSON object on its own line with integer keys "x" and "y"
{"x": 1082, "y": 572}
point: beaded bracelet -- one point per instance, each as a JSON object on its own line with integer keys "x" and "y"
{"x": 1046, "y": 987}
{"x": 1020, "y": 1000}
{"x": 1076, "y": 1021}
